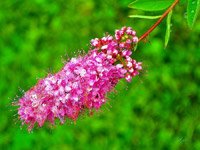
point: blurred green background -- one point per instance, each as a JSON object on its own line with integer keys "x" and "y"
{"x": 158, "y": 110}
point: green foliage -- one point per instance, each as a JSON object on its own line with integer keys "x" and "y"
{"x": 150, "y": 5}
{"x": 168, "y": 29}
{"x": 192, "y": 11}
{"x": 144, "y": 17}
{"x": 158, "y": 110}
{"x": 155, "y": 5}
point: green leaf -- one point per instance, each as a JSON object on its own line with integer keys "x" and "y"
{"x": 144, "y": 17}
{"x": 135, "y": 47}
{"x": 150, "y": 5}
{"x": 192, "y": 11}
{"x": 168, "y": 30}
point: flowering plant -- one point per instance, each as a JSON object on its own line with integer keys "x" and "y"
{"x": 83, "y": 83}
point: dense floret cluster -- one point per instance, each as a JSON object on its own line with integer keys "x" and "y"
{"x": 83, "y": 82}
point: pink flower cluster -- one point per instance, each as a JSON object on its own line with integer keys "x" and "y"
{"x": 83, "y": 82}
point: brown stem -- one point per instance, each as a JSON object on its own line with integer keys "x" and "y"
{"x": 159, "y": 21}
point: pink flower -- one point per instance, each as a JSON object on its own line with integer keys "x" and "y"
{"x": 83, "y": 82}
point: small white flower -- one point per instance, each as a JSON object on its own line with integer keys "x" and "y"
{"x": 34, "y": 96}
{"x": 76, "y": 98}
{"x": 129, "y": 64}
{"x": 109, "y": 56}
{"x": 82, "y": 72}
{"x": 119, "y": 66}
{"x": 67, "y": 88}
{"x": 73, "y": 60}
{"x": 104, "y": 47}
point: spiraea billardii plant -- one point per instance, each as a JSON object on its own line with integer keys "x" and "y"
{"x": 83, "y": 83}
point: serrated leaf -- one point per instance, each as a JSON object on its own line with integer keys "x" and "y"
{"x": 144, "y": 17}
{"x": 192, "y": 11}
{"x": 151, "y": 5}
{"x": 168, "y": 29}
